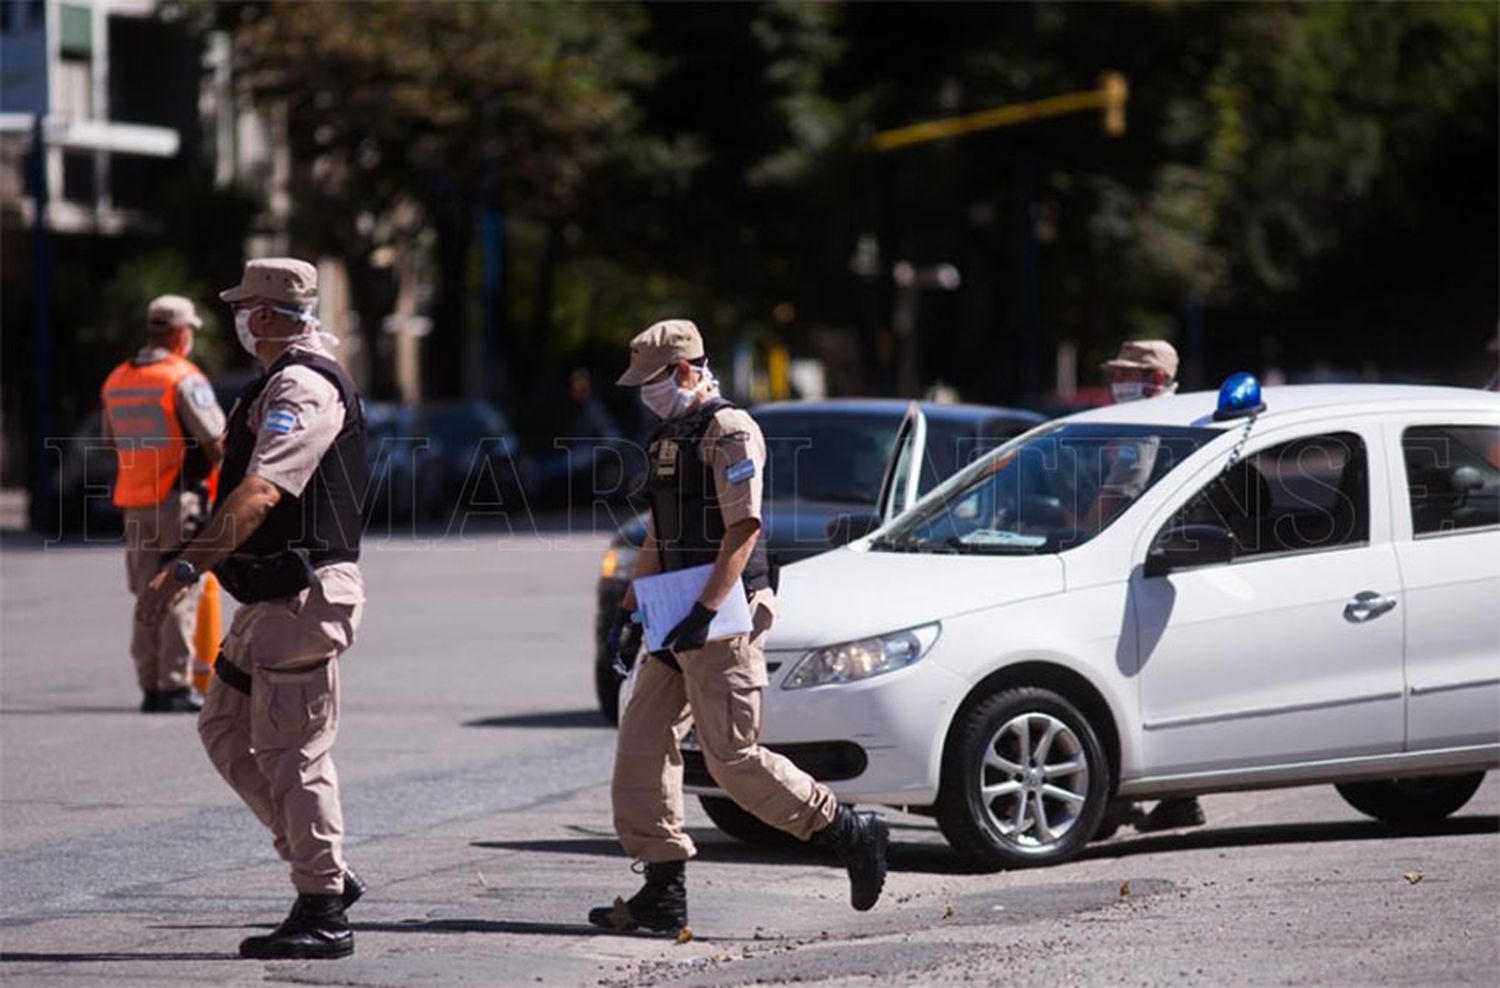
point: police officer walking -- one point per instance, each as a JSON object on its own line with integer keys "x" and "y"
{"x": 707, "y": 462}
{"x": 167, "y": 430}
{"x": 284, "y": 540}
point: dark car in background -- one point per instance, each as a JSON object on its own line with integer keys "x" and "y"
{"x": 835, "y": 469}
{"x": 427, "y": 462}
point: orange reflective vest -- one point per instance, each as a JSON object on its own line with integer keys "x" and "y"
{"x": 140, "y": 402}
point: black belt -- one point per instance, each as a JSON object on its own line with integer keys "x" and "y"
{"x": 232, "y": 675}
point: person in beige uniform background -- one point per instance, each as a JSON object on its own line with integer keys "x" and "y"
{"x": 285, "y": 542}
{"x": 167, "y": 429}
{"x": 1142, "y": 369}
{"x": 707, "y": 464}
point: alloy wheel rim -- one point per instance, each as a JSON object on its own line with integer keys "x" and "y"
{"x": 1033, "y": 782}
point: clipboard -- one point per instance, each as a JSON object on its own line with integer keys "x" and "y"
{"x": 666, "y": 598}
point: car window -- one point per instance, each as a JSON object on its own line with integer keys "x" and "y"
{"x": 1452, "y": 477}
{"x": 1305, "y": 495}
{"x": 953, "y": 444}
{"x": 827, "y": 457}
{"x": 1053, "y": 491}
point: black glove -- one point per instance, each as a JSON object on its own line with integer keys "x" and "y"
{"x": 691, "y": 633}
{"x": 623, "y": 644}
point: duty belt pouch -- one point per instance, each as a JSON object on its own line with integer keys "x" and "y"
{"x": 771, "y": 578}
{"x": 251, "y": 579}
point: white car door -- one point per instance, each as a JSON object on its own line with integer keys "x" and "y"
{"x": 1447, "y": 527}
{"x": 1290, "y": 651}
{"x": 903, "y": 471}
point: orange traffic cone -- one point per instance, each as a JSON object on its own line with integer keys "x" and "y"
{"x": 207, "y": 634}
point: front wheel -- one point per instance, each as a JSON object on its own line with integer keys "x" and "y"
{"x": 1425, "y": 799}
{"x": 1025, "y": 781}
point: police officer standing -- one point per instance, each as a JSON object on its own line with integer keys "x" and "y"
{"x": 707, "y": 462}
{"x": 284, "y": 540}
{"x": 167, "y": 430}
{"x": 1144, "y": 369}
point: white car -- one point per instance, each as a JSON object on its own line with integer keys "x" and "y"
{"x": 1163, "y": 598}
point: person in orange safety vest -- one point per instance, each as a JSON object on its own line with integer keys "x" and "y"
{"x": 165, "y": 424}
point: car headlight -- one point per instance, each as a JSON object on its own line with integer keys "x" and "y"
{"x": 853, "y": 661}
{"x": 618, "y": 563}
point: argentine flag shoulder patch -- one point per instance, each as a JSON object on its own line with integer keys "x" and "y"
{"x": 281, "y": 421}
{"x": 738, "y": 473}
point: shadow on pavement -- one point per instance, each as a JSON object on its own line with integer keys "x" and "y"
{"x": 484, "y": 926}
{"x": 939, "y": 859}
{"x": 516, "y": 927}
{"x": 547, "y": 719}
{"x": 1290, "y": 833}
{"x": 714, "y": 848}
{"x": 20, "y": 957}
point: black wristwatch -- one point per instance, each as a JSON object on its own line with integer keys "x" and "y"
{"x": 185, "y": 572}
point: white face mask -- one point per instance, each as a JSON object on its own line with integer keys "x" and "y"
{"x": 666, "y": 399}
{"x": 249, "y": 341}
{"x": 242, "y": 330}
{"x": 1136, "y": 390}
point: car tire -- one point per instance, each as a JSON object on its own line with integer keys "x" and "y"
{"x": 987, "y": 757}
{"x": 607, "y": 689}
{"x": 1423, "y": 799}
{"x": 743, "y": 825}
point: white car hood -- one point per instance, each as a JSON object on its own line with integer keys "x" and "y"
{"x": 848, "y": 594}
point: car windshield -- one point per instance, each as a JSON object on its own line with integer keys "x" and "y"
{"x": 827, "y": 457}
{"x": 1052, "y": 491}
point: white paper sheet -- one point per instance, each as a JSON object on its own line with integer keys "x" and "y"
{"x": 666, "y": 598}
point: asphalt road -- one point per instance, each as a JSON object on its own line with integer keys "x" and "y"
{"x": 475, "y": 789}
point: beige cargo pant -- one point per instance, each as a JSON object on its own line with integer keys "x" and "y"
{"x": 274, "y": 746}
{"x": 164, "y": 652}
{"x": 719, "y": 690}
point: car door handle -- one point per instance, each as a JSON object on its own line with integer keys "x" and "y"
{"x": 1366, "y": 606}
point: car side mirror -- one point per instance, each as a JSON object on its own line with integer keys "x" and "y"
{"x": 1186, "y": 546}
{"x": 843, "y": 529}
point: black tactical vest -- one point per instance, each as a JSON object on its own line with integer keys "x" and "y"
{"x": 685, "y": 510}
{"x": 321, "y": 526}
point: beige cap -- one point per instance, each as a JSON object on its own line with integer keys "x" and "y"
{"x": 172, "y": 310}
{"x": 1146, "y": 355}
{"x": 276, "y": 279}
{"x": 663, "y": 343}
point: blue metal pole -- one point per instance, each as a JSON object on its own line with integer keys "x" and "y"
{"x": 43, "y": 486}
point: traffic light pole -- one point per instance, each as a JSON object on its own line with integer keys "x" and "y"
{"x": 1110, "y": 98}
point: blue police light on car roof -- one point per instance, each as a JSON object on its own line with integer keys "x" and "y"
{"x": 1239, "y": 396}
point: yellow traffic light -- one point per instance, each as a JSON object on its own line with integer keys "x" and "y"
{"x": 1115, "y": 91}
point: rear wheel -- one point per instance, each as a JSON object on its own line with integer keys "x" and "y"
{"x": 1025, "y": 781}
{"x": 1424, "y": 799}
{"x": 743, "y": 825}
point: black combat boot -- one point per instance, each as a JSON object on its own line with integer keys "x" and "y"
{"x": 660, "y": 906}
{"x": 1170, "y": 814}
{"x": 354, "y": 888}
{"x": 315, "y": 930}
{"x": 178, "y": 701}
{"x": 151, "y": 702}
{"x": 859, "y": 841}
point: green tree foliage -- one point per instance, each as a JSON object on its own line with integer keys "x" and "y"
{"x": 1268, "y": 144}
{"x": 713, "y": 159}
{"x": 446, "y": 107}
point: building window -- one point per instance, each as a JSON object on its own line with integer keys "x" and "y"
{"x": 75, "y": 31}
